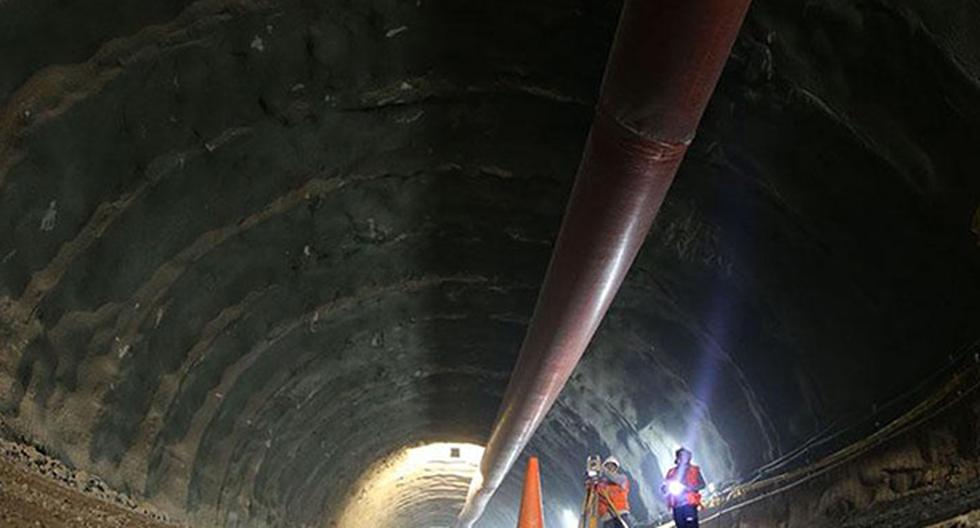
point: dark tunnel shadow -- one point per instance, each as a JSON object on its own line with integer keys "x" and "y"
{"x": 510, "y": 136}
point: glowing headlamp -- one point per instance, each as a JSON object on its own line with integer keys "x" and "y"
{"x": 675, "y": 488}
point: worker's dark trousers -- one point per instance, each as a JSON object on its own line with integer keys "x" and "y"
{"x": 614, "y": 523}
{"x": 686, "y": 516}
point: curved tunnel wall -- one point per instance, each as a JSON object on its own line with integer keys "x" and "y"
{"x": 249, "y": 248}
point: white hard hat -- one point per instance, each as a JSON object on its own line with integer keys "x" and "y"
{"x": 611, "y": 460}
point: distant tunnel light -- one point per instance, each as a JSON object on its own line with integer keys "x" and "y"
{"x": 417, "y": 486}
{"x": 440, "y": 452}
{"x": 569, "y": 519}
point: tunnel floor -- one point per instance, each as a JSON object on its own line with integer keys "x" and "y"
{"x": 39, "y": 491}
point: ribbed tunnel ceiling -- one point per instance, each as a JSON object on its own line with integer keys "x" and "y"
{"x": 251, "y": 249}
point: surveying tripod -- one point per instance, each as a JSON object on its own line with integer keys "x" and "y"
{"x": 595, "y": 495}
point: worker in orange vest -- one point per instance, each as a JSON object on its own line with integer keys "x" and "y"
{"x": 614, "y": 490}
{"x": 682, "y": 487}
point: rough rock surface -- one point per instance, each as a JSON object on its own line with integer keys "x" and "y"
{"x": 250, "y": 247}
{"x": 969, "y": 520}
{"x": 918, "y": 470}
{"x": 38, "y": 491}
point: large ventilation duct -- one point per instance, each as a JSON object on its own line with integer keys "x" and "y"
{"x": 664, "y": 64}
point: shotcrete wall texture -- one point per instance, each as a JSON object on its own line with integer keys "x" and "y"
{"x": 920, "y": 470}
{"x": 251, "y": 248}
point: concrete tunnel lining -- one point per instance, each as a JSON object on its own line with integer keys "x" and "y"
{"x": 235, "y": 275}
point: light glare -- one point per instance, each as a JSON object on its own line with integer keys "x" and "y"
{"x": 675, "y": 488}
{"x": 569, "y": 519}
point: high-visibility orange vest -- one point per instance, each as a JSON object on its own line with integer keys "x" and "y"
{"x": 691, "y": 480}
{"x": 618, "y": 495}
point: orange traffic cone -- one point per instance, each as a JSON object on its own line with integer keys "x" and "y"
{"x": 531, "y": 516}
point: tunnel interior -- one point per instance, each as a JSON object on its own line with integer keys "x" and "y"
{"x": 256, "y": 257}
